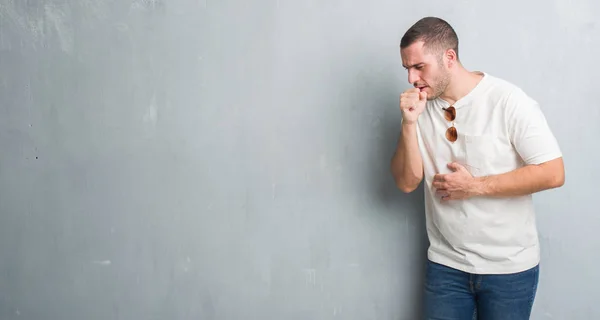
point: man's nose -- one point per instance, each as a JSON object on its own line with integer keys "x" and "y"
{"x": 413, "y": 76}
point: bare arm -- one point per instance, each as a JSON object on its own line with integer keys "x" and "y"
{"x": 407, "y": 164}
{"x": 523, "y": 181}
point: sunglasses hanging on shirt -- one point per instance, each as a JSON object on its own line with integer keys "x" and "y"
{"x": 450, "y": 115}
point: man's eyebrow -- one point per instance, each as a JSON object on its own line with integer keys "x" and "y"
{"x": 413, "y": 65}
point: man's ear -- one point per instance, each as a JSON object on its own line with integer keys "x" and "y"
{"x": 450, "y": 57}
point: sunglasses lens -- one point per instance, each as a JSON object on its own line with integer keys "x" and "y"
{"x": 450, "y": 113}
{"x": 451, "y": 134}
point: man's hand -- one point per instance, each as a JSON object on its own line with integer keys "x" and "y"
{"x": 457, "y": 185}
{"x": 412, "y": 104}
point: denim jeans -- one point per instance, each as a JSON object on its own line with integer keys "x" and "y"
{"x": 451, "y": 294}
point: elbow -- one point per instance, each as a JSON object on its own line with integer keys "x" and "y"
{"x": 407, "y": 183}
{"x": 555, "y": 180}
{"x": 406, "y": 187}
{"x": 554, "y": 171}
{"x": 558, "y": 180}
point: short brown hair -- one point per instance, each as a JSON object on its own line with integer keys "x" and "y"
{"x": 436, "y": 33}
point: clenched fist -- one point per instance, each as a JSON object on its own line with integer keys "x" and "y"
{"x": 412, "y": 104}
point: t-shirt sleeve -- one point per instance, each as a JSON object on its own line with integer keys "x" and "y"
{"x": 529, "y": 131}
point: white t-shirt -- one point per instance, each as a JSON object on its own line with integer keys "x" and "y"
{"x": 500, "y": 129}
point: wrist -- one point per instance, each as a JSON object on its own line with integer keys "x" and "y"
{"x": 408, "y": 124}
{"x": 480, "y": 186}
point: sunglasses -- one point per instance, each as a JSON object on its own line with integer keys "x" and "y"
{"x": 450, "y": 115}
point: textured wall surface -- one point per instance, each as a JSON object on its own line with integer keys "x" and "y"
{"x": 200, "y": 159}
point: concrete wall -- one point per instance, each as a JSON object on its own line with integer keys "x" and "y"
{"x": 200, "y": 159}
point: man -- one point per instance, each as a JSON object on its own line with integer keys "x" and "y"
{"x": 483, "y": 147}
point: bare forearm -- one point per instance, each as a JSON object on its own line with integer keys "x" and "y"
{"x": 407, "y": 164}
{"x": 523, "y": 181}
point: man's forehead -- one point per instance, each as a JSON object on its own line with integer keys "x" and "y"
{"x": 415, "y": 55}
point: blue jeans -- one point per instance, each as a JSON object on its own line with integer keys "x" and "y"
{"x": 451, "y": 294}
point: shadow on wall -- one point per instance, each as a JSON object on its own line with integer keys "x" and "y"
{"x": 375, "y": 96}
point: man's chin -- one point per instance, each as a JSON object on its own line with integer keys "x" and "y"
{"x": 432, "y": 96}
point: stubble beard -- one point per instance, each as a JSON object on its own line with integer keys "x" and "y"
{"x": 441, "y": 83}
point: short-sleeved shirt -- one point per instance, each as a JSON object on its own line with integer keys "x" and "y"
{"x": 500, "y": 129}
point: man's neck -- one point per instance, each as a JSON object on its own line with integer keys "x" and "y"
{"x": 461, "y": 84}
